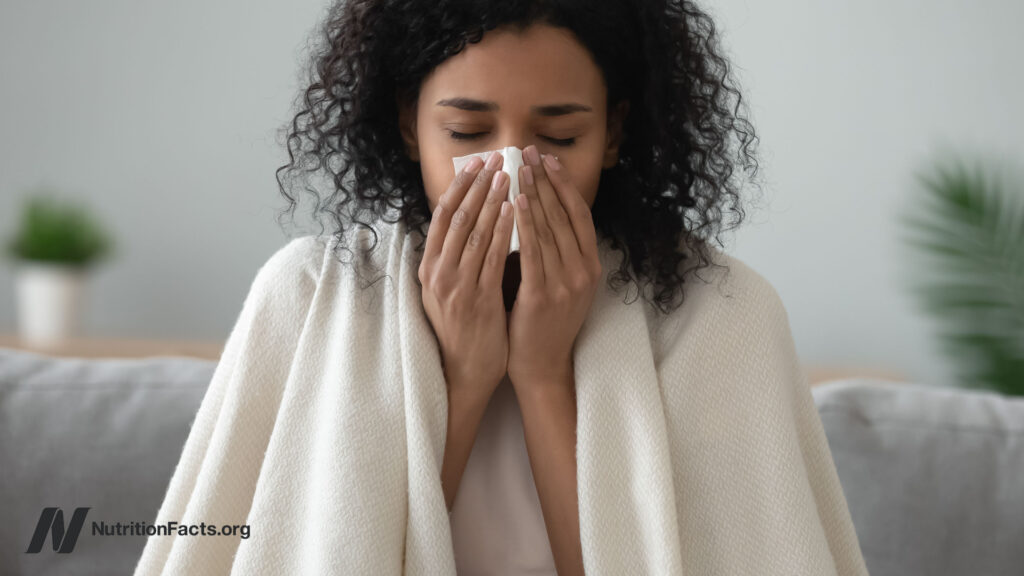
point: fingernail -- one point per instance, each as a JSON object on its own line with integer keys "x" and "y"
{"x": 505, "y": 208}
{"x": 474, "y": 165}
{"x": 496, "y": 182}
{"x": 531, "y": 154}
{"x": 521, "y": 199}
{"x": 551, "y": 162}
{"x": 492, "y": 160}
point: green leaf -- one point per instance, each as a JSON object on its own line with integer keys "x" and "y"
{"x": 967, "y": 230}
{"x": 58, "y": 231}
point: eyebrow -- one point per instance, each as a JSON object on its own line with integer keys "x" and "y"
{"x": 472, "y": 105}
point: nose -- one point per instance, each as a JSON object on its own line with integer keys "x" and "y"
{"x": 517, "y": 136}
{"x": 516, "y": 144}
{"x": 522, "y": 145}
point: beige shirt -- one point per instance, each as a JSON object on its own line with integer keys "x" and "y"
{"x": 496, "y": 519}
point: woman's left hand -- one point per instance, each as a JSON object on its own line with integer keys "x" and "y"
{"x": 560, "y": 274}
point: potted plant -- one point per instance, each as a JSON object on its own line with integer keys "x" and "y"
{"x": 968, "y": 237}
{"x": 56, "y": 244}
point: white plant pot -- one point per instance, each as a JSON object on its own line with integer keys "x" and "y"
{"x": 49, "y": 300}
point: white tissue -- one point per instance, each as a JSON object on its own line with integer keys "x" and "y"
{"x": 513, "y": 159}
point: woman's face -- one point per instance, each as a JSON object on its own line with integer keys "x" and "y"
{"x": 537, "y": 88}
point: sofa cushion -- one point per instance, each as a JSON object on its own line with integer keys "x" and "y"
{"x": 83, "y": 432}
{"x": 934, "y": 477}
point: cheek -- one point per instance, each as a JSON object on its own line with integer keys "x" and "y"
{"x": 437, "y": 176}
{"x": 586, "y": 176}
{"x": 436, "y": 166}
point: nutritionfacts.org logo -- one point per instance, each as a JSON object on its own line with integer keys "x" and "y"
{"x": 63, "y": 537}
{"x": 51, "y": 521}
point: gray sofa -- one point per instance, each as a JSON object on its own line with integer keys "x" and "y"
{"x": 934, "y": 477}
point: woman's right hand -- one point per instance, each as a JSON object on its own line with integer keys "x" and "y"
{"x": 461, "y": 273}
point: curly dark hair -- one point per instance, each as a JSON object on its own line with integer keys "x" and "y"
{"x": 660, "y": 204}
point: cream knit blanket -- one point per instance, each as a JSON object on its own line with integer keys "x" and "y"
{"x": 699, "y": 447}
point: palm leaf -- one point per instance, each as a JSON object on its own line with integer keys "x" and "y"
{"x": 968, "y": 234}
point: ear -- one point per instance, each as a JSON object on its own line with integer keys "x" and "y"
{"x": 616, "y": 133}
{"x": 407, "y": 127}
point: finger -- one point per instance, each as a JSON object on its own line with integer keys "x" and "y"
{"x": 557, "y": 217}
{"x": 529, "y": 250}
{"x": 464, "y": 217}
{"x": 439, "y": 222}
{"x": 569, "y": 248}
{"x": 577, "y": 210}
{"x": 533, "y": 174}
{"x": 497, "y": 253}
{"x": 480, "y": 238}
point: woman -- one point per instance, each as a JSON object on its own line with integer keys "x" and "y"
{"x": 698, "y": 451}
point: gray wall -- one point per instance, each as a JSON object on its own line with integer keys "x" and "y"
{"x": 165, "y": 116}
{"x": 851, "y": 98}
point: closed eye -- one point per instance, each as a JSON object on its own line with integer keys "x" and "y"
{"x": 557, "y": 141}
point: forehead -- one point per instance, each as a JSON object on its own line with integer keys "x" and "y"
{"x": 542, "y": 63}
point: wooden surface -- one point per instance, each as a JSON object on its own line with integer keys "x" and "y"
{"x": 818, "y": 375}
{"x": 99, "y": 347}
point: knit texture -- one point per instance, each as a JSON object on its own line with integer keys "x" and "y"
{"x": 699, "y": 447}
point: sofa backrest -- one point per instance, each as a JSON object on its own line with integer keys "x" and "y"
{"x": 933, "y": 477}
{"x": 99, "y": 433}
